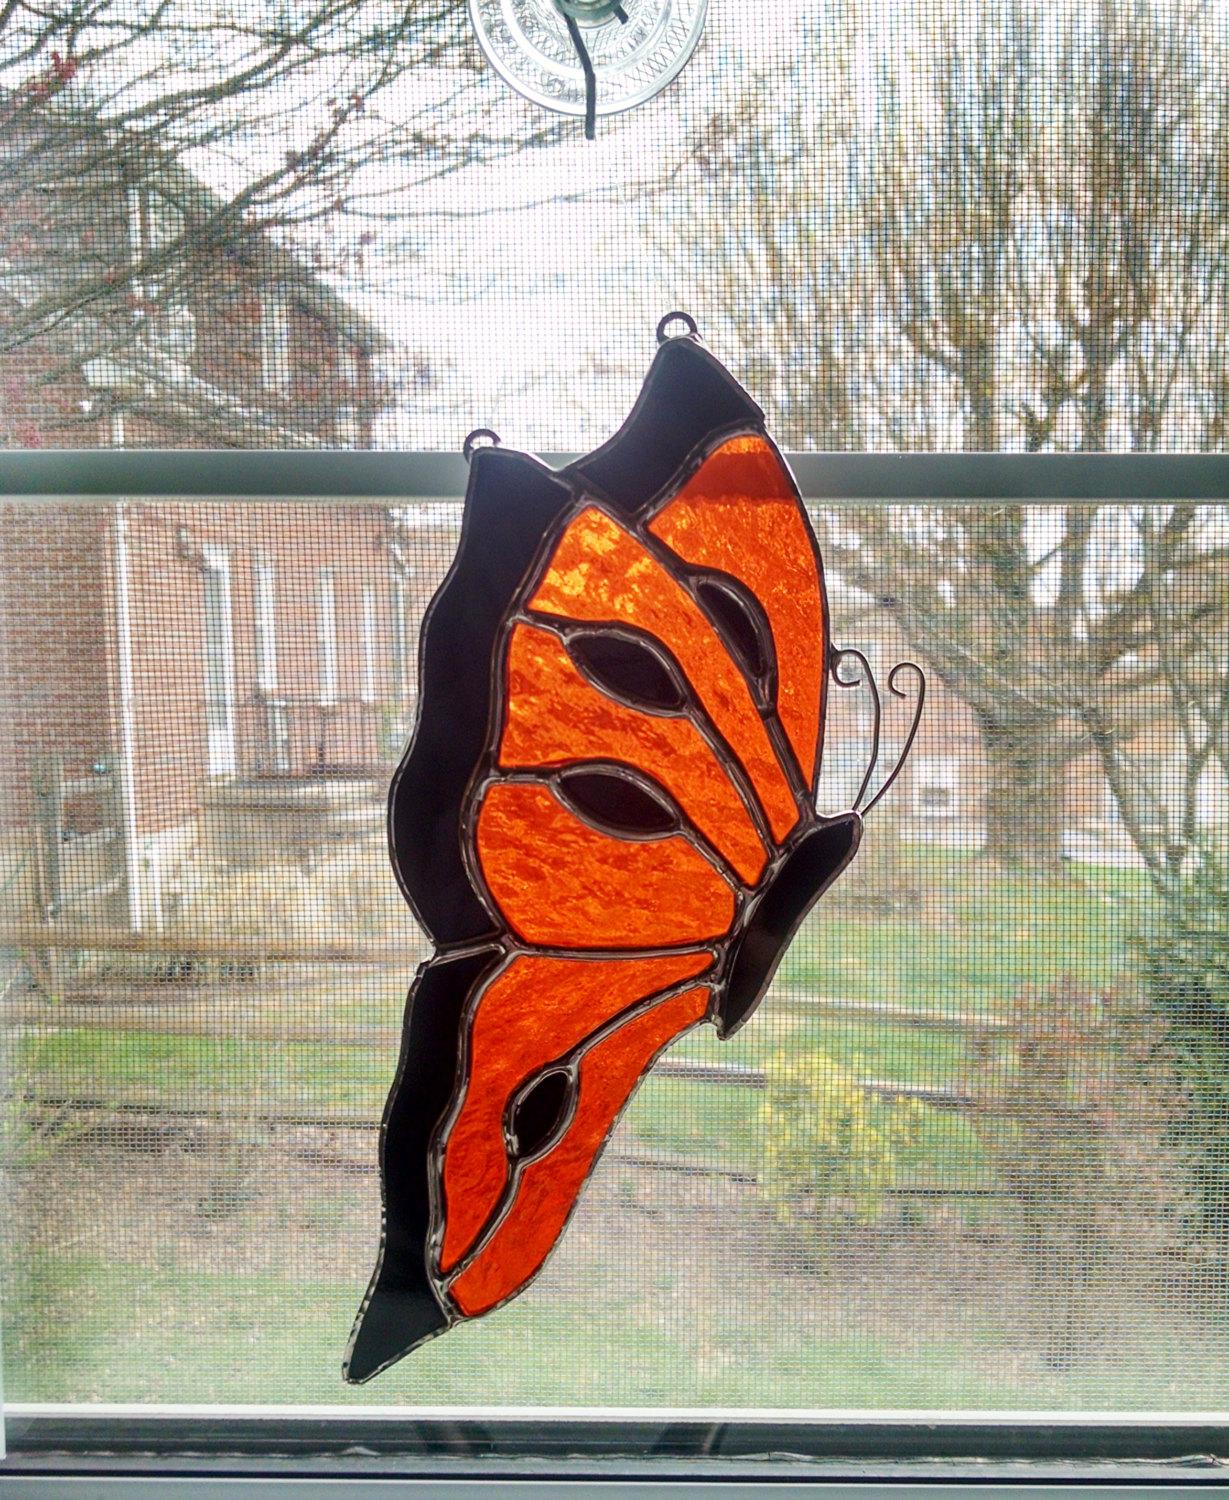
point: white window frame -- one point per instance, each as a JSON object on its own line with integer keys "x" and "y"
{"x": 221, "y": 747}
{"x": 275, "y": 724}
{"x": 276, "y": 364}
{"x": 935, "y": 771}
{"x": 367, "y": 690}
{"x": 326, "y": 637}
{"x": 264, "y": 620}
{"x": 153, "y": 222}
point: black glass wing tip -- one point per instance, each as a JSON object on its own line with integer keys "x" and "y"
{"x": 688, "y": 399}
{"x": 391, "y": 1325}
{"x": 401, "y": 1309}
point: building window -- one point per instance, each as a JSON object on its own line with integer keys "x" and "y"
{"x": 219, "y": 664}
{"x": 369, "y": 644}
{"x": 326, "y": 625}
{"x": 275, "y": 342}
{"x": 265, "y": 614}
{"x": 936, "y": 786}
{"x": 272, "y": 723}
{"x": 154, "y": 225}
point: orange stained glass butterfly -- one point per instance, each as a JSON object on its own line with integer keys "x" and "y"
{"x": 606, "y": 820}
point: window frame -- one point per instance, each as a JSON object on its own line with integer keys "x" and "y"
{"x": 368, "y": 630}
{"x": 343, "y": 476}
{"x": 276, "y": 336}
{"x": 264, "y": 622}
{"x": 219, "y": 609}
{"x": 152, "y": 223}
{"x": 327, "y": 655}
{"x": 935, "y": 773}
{"x": 640, "y": 1451}
{"x": 643, "y": 1452}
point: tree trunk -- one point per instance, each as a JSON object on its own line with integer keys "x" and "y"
{"x": 1024, "y": 807}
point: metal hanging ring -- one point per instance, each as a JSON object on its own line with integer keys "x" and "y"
{"x": 471, "y": 442}
{"x": 693, "y": 331}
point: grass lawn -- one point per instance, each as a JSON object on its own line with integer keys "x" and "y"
{"x": 973, "y": 937}
{"x": 221, "y": 1338}
{"x": 90, "y": 1330}
{"x": 146, "y": 1324}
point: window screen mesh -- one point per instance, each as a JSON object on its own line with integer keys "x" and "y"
{"x": 968, "y": 1154}
{"x": 972, "y": 1150}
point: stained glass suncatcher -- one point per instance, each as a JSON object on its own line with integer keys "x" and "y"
{"x": 606, "y": 821}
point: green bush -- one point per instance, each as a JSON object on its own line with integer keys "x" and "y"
{"x": 1073, "y": 1102}
{"x": 831, "y": 1147}
{"x": 1185, "y": 967}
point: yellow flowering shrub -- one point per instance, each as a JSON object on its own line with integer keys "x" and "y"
{"x": 831, "y": 1146}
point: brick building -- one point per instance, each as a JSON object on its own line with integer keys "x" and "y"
{"x": 160, "y": 658}
{"x": 942, "y": 793}
{"x": 137, "y": 311}
{"x": 182, "y": 670}
{"x": 174, "y": 671}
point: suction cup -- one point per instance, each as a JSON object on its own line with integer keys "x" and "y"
{"x": 634, "y": 48}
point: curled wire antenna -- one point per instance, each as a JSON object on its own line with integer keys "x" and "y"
{"x": 920, "y": 676}
{"x": 867, "y": 677}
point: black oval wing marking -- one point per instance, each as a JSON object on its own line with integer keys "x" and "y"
{"x": 540, "y": 1112}
{"x": 744, "y": 626}
{"x": 623, "y": 665}
{"x": 618, "y": 803}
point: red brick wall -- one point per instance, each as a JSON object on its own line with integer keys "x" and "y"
{"x": 59, "y": 675}
{"x": 65, "y": 240}
{"x": 168, "y": 630}
{"x": 55, "y": 647}
{"x": 46, "y": 402}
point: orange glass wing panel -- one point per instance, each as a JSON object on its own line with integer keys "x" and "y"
{"x": 548, "y": 1187}
{"x": 561, "y": 883}
{"x": 600, "y": 573}
{"x": 739, "y": 513}
{"x": 533, "y": 1013}
{"x": 556, "y": 717}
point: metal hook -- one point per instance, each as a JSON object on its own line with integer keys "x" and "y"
{"x": 680, "y": 317}
{"x": 586, "y": 67}
{"x": 471, "y": 442}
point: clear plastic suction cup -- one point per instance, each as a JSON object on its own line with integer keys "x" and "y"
{"x": 636, "y": 48}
